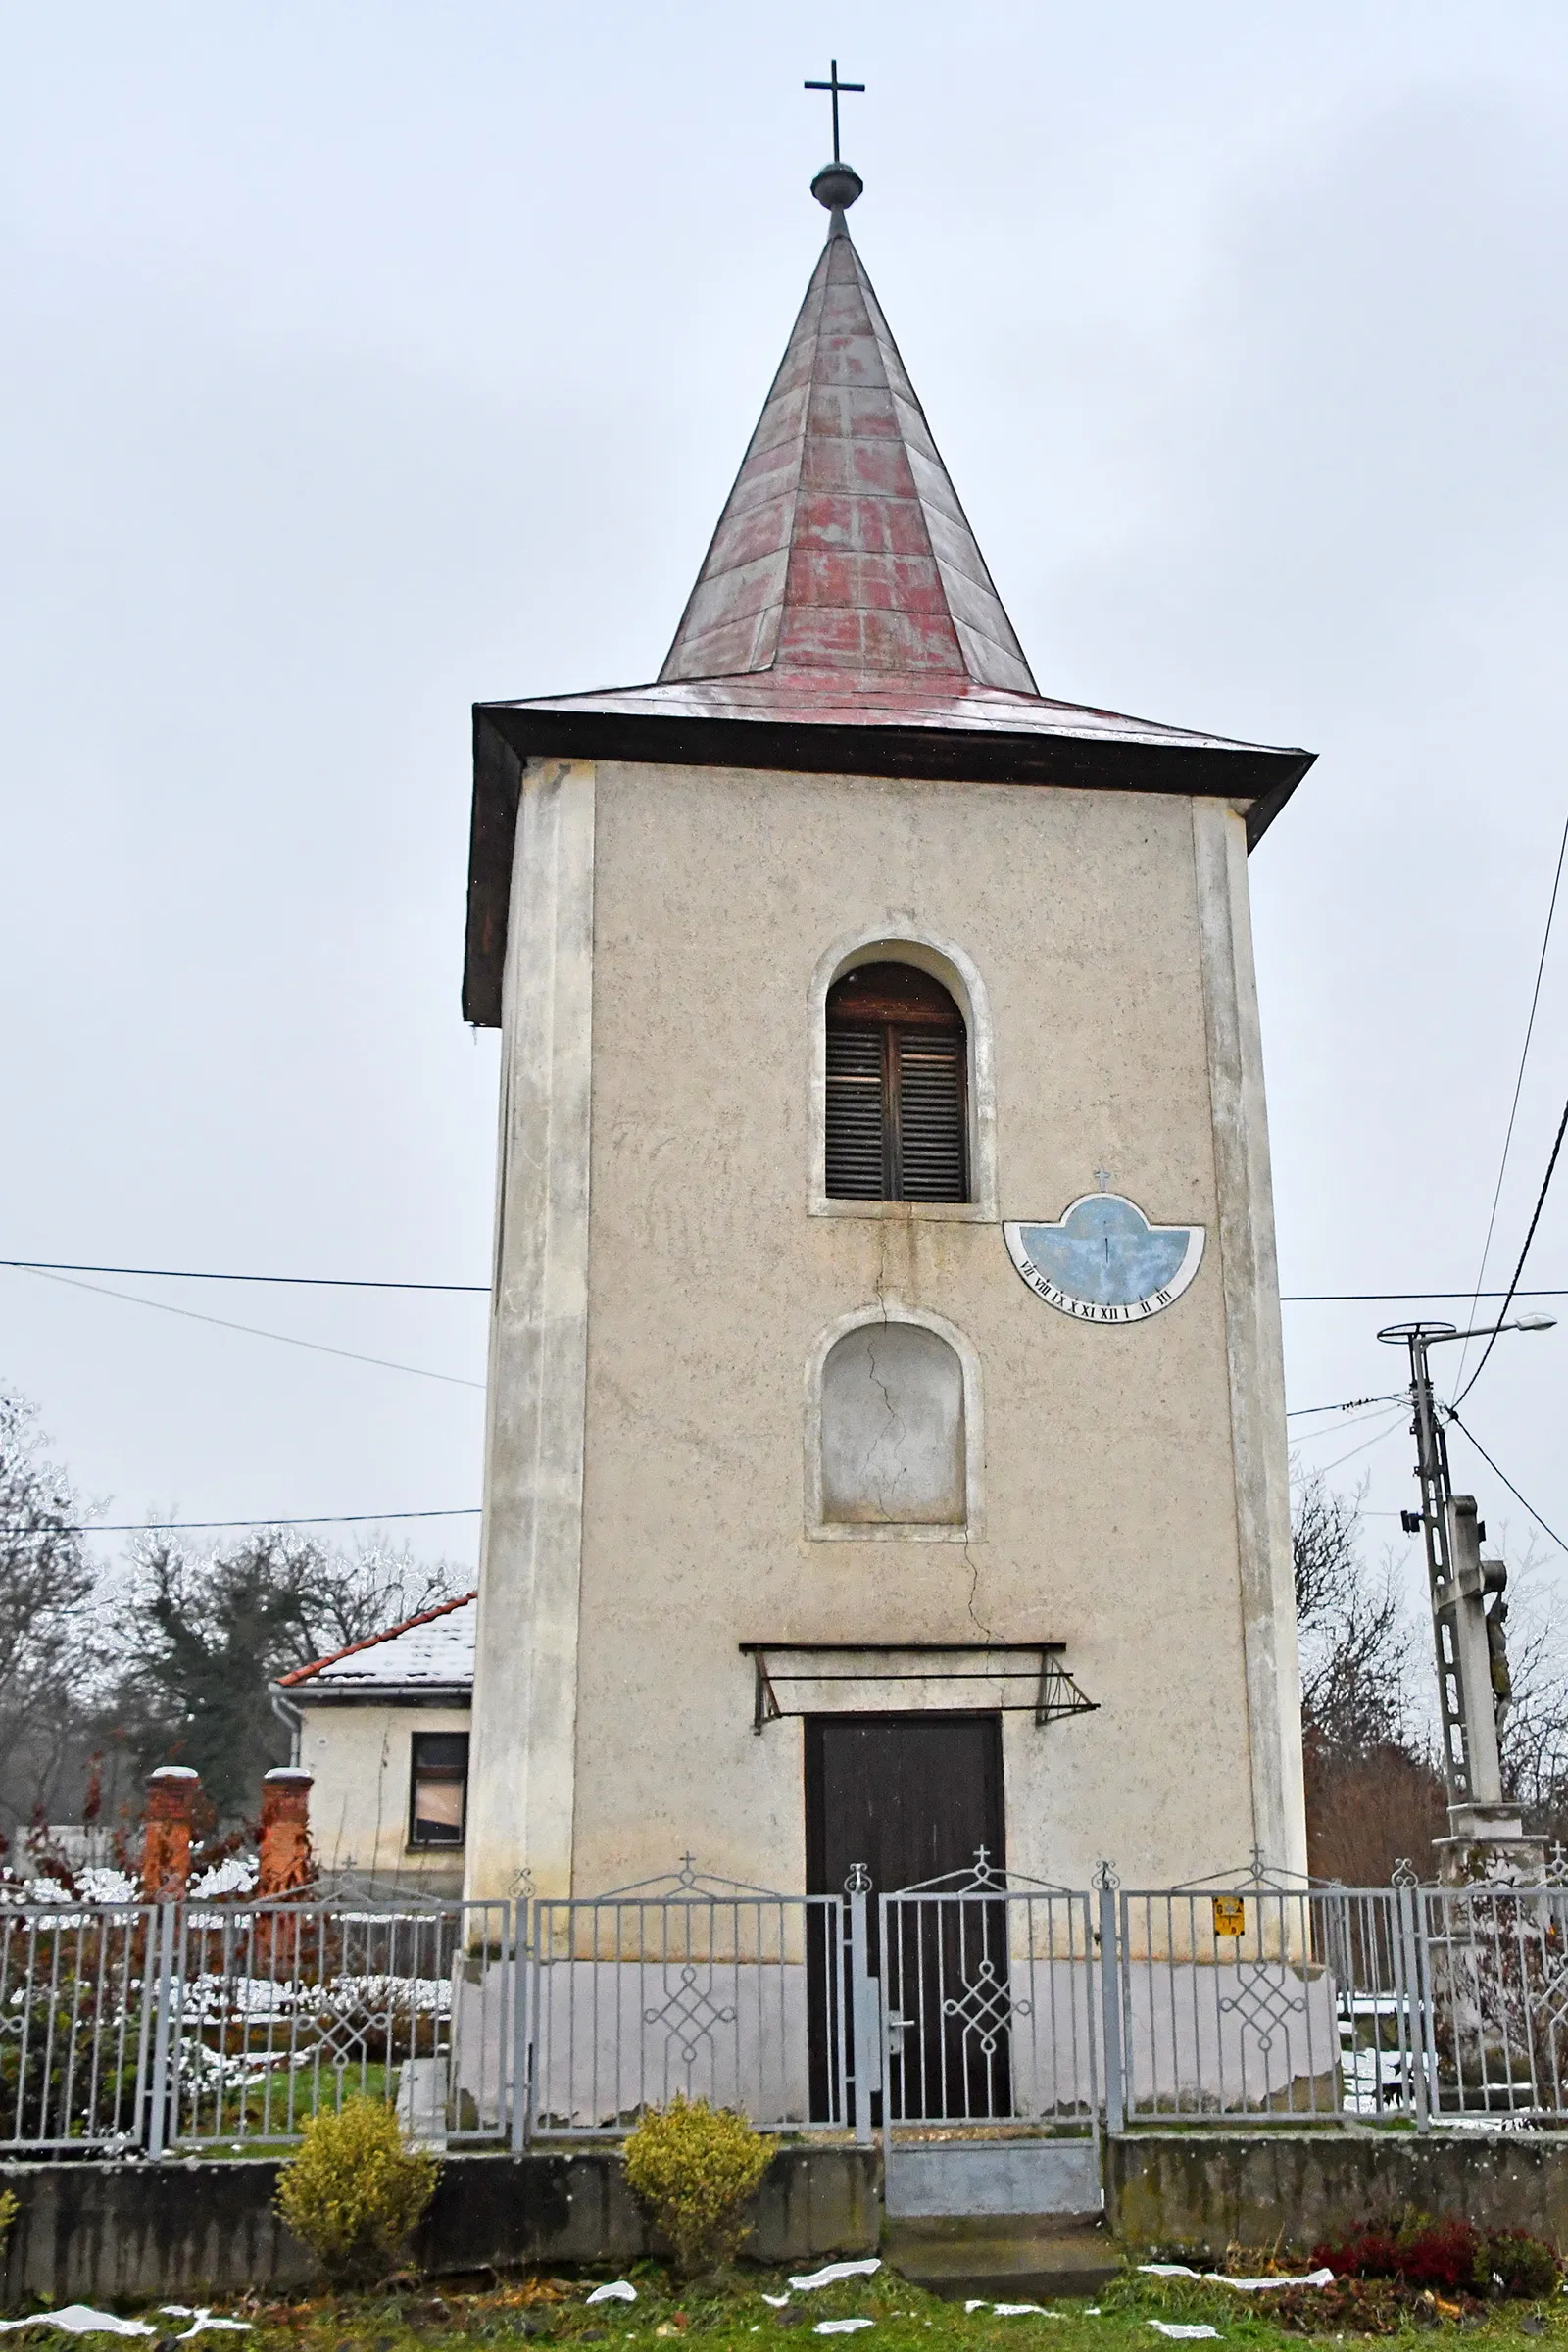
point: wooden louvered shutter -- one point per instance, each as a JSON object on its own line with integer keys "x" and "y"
{"x": 898, "y": 1111}
{"x": 857, "y": 1114}
{"x": 932, "y": 1115}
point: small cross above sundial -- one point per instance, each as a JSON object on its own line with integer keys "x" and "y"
{"x": 835, "y": 87}
{"x": 1103, "y": 1179}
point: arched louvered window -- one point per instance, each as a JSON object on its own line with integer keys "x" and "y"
{"x": 897, "y": 1108}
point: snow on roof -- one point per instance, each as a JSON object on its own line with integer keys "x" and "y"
{"x": 431, "y": 1651}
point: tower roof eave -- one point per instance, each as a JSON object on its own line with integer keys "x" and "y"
{"x": 835, "y": 722}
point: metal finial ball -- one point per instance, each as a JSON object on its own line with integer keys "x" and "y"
{"x": 837, "y": 184}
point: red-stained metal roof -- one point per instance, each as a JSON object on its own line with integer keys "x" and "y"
{"x": 843, "y": 624}
{"x": 839, "y": 698}
{"x": 843, "y": 546}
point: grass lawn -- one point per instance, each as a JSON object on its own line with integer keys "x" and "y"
{"x": 234, "y": 2124}
{"x": 904, "y": 2319}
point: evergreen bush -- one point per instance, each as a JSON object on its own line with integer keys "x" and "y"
{"x": 354, "y": 2194}
{"x": 1521, "y": 2265}
{"x": 694, "y": 2169}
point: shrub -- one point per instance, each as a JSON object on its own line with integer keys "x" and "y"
{"x": 353, "y": 2194}
{"x": 694, "y": 2169}
{"x": 1524, "y": 2265}
{"x": 1450, "y": 2256}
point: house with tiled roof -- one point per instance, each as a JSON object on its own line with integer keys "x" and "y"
{"x": 382, "y": 1728}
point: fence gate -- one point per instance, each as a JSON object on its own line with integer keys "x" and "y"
{"x": 988, "y": 2003}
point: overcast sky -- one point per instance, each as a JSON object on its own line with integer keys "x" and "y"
{"x": 363, "y": 362}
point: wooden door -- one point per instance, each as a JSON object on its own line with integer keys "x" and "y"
{"x": 913, "y": 1797}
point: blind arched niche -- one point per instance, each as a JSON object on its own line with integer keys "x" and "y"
{"x": 892, "y": 1441}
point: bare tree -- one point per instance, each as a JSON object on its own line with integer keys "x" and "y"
{"x": 353, "y": 1594}
{"x": 1374, "y": 1789}
{"x": 1353, "y": 1629}
{"x": 206, "y": 1631}
{"x": 49, "y": 1659}
{"x": 1534, "y": 1735}
{"x": 1372, "y": 1793}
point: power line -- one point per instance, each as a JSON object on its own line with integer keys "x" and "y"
{"x": 1349, "y": 1404}
{"x": 1333, "y": 1429}
{"x": 1542, "y": 1524}
{"x": 253, "y": 1331}
{"x": 321, "y": 1282}
{"x": 481, "y": 1290}
{"x": 1513, "y": 1108}
{"x": 1540, "y": 1203}
{"x": 1396, "y": 1298}
{"x": 1376, "y": 1439}
{"x": 164, "y": 1527}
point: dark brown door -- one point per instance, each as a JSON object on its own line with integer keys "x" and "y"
{"x": 914, "y": 1798}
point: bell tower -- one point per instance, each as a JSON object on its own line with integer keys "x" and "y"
{"x": 886, "y": 1427}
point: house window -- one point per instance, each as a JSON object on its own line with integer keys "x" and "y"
{"x": 898, "y": 1110}
{"x": 439, "y": 1788}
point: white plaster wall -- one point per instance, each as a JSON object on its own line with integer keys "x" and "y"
{"x": 1109, "y": 1516}
{"x": 525, "y": 1663}
{"x": 611, "y": 2038}
{"x": 360, "y": 1758}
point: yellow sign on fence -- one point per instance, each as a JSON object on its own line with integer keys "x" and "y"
{"x": 1230, "y": 1915}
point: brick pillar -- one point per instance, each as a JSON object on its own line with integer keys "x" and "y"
{"x": 171, "y": 1793}
{"x": 287, "y": 1864}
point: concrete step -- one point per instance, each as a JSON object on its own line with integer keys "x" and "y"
{"x": 989, "y": 2178}
{"x": 1007, "y": 2258}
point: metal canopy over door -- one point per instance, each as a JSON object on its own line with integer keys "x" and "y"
{"x": 911, "y": 1797}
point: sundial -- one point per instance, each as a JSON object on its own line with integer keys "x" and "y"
{"x": 1104, "y": 1260}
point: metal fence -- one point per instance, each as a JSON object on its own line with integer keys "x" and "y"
{"x": 76, "y": 2026}
{"x": 1423, "y": 2005}
{"x": 688, "y": 1983}
{"x": 1493, "y": 1996}
{"x": 976, "y": 2003}
{"x": 1269, "y": 2001}
{"x": 132, "y": 2026}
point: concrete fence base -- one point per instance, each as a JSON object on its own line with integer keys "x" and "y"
{"x": 1210, "y": 2189}
{"x": 103, "y": 2232}
{"x": 96, "y": 2233}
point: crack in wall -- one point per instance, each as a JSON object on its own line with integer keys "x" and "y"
{"x": 973, "y": 1566}
{"x": 893, "y": 1422}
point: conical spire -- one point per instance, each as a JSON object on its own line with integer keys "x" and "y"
{"x": 843, "y": 546}
{"x": 844, "y": 625}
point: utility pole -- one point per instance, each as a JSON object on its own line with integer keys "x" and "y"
{"x": 1486, "y": 1836}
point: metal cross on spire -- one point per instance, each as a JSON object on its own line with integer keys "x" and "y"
{"x": 834, "y": 87}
